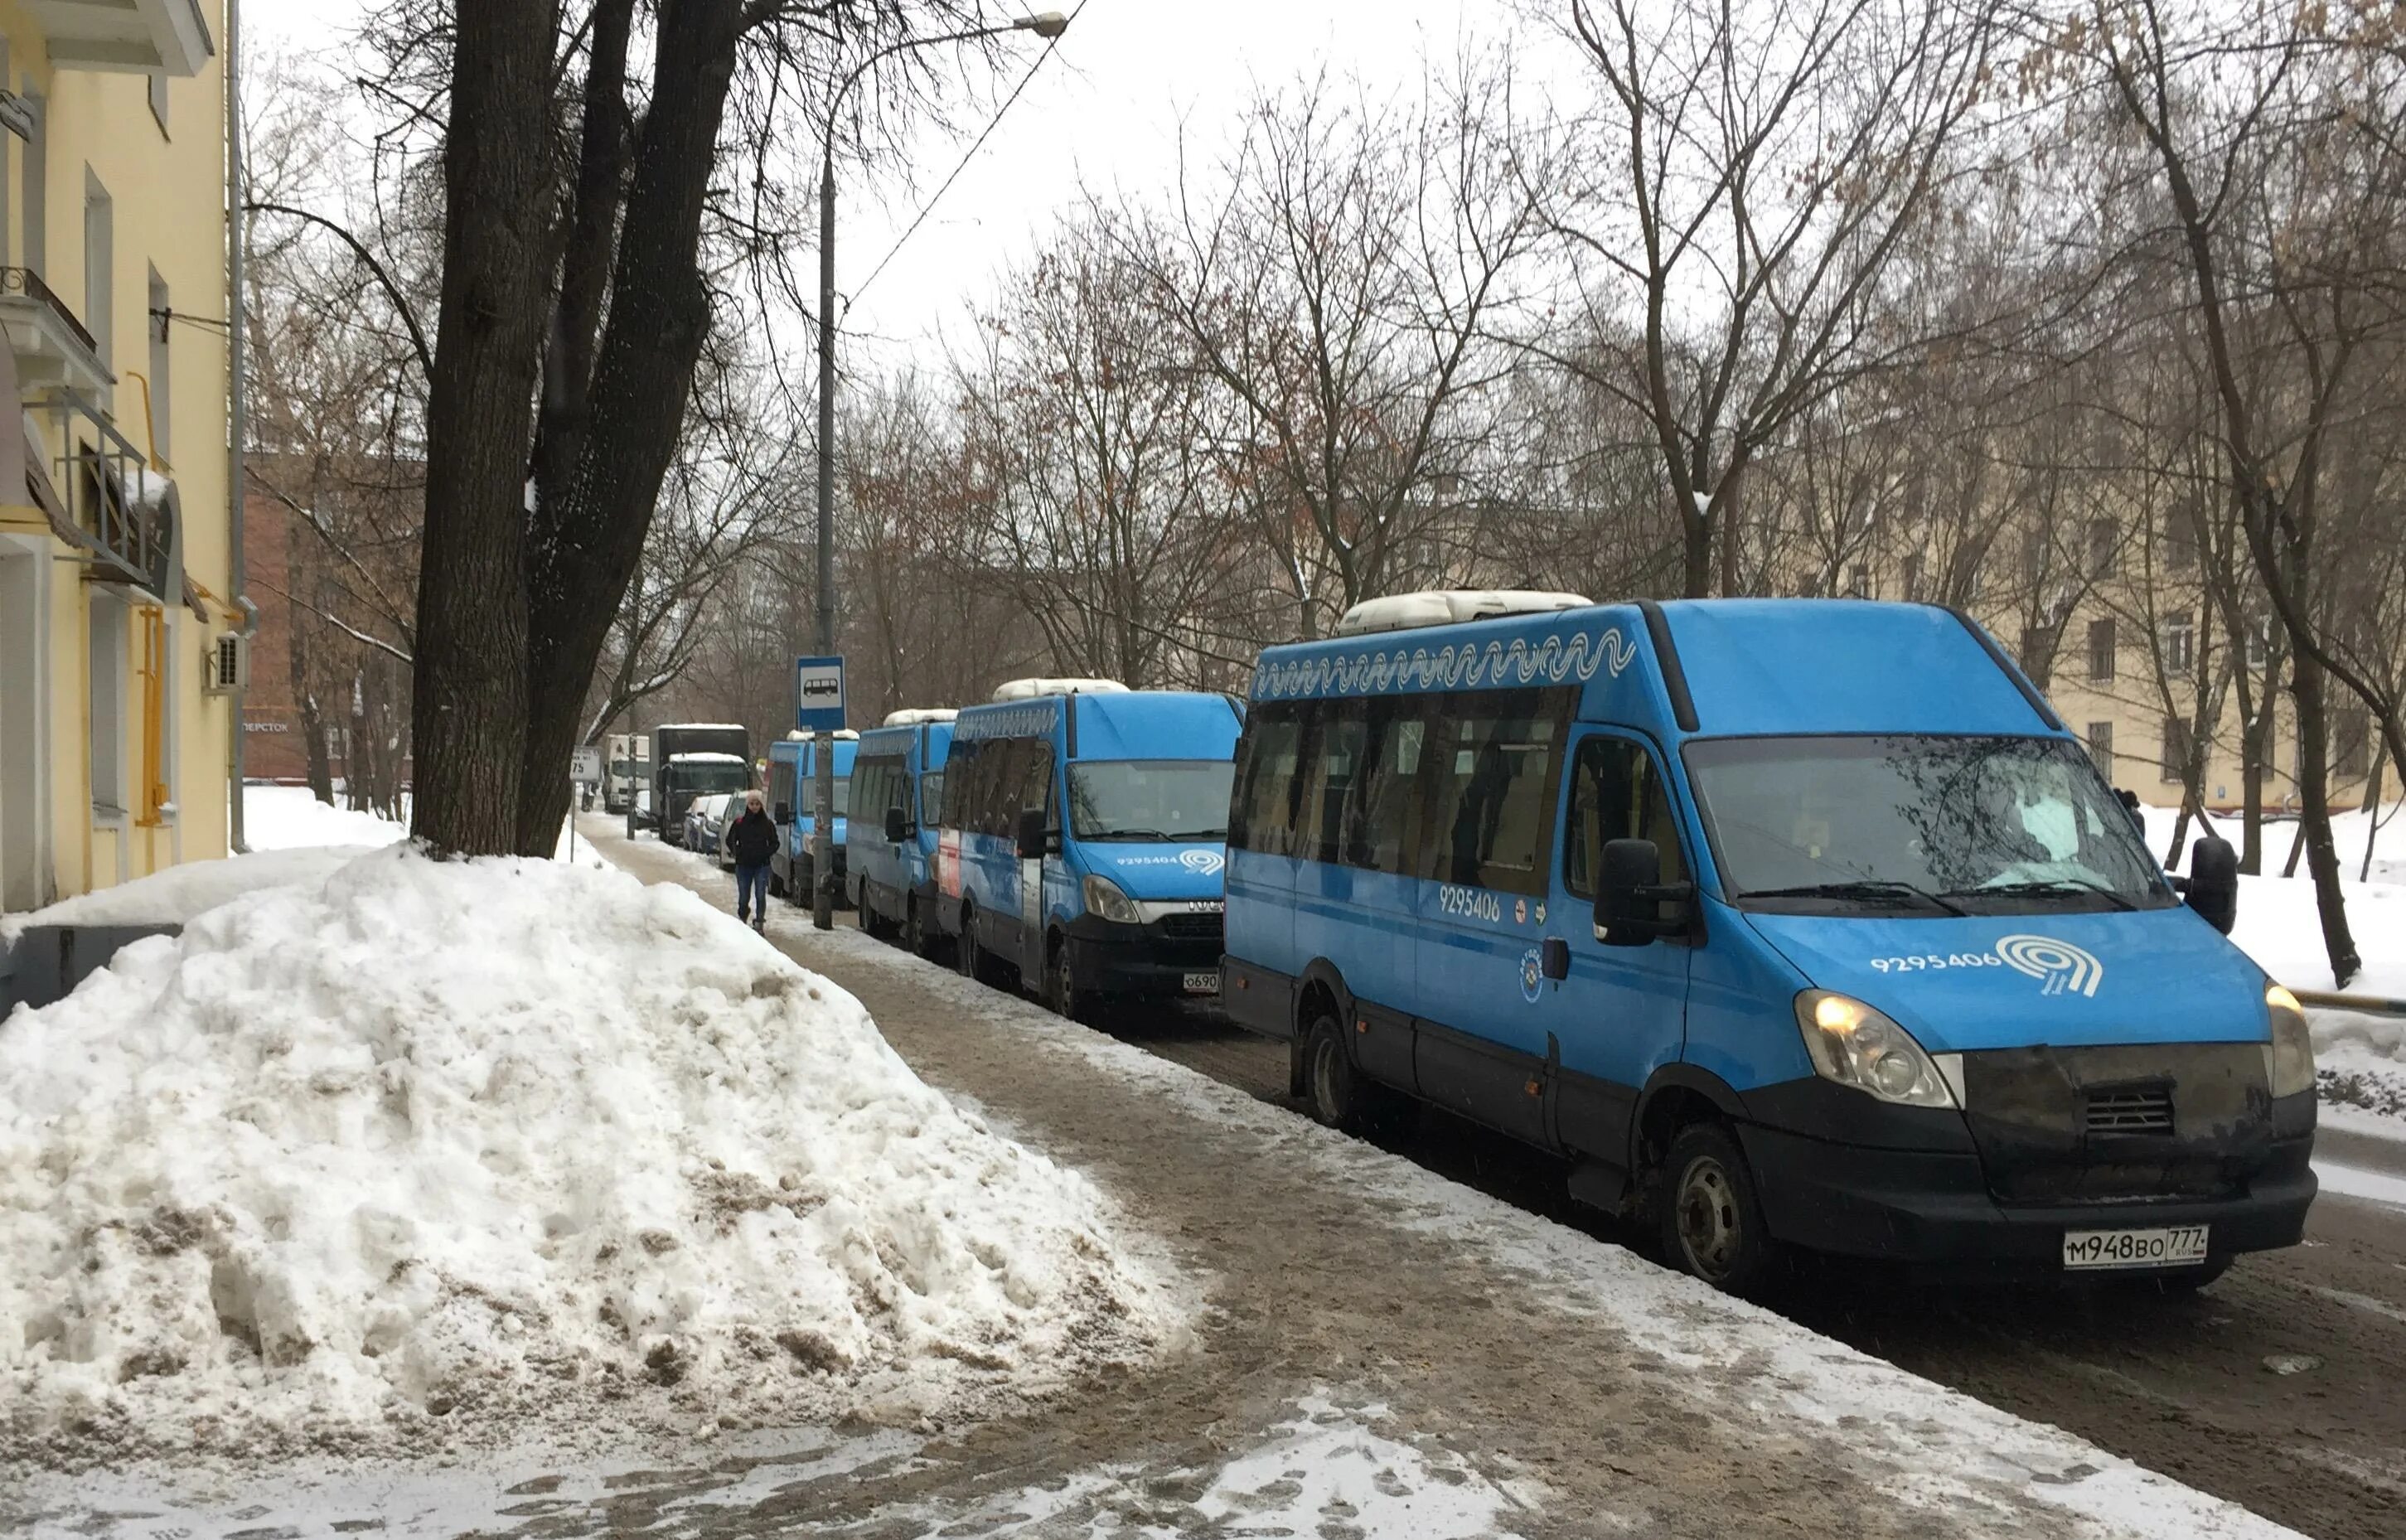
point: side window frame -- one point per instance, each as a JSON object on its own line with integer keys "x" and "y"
{"x": 1554, "y": 706}
{"x": 1677, "y": 850}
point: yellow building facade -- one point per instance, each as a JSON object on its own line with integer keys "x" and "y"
{"x": 119, "y": 624}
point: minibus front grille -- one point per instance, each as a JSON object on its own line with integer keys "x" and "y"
{"x": 2147, "y": 1110}
{"x": 2117, "y": 1123}
{"x": 1191, "y": 927}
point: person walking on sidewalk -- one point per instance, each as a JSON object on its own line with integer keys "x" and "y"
{"x": 752, "y": 842}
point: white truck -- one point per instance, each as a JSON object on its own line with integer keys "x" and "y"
{"x": 625, "y": 772}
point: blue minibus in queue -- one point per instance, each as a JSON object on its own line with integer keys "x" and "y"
{"x": 1081, "y": 840}
{"x": 793, "y": 800}
{"x": 1792, "y": 924}
{"x": 898, "y": 784}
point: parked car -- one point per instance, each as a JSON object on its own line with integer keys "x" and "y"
{"x": 705, "y": 822}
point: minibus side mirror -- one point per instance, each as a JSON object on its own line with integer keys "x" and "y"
{"x": 784, "y": 813}
{"x": 1031, "y": 834}
{"x": 2212, "y": 885}
{"x": 895, "y": 826}
{"x": 1631, "y": 896}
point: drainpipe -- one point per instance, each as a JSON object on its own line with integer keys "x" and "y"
{"x": 237, "y": 402}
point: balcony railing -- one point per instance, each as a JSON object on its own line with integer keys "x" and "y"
{"x": 117, "y": 509}
{"x": 25, "y": 281}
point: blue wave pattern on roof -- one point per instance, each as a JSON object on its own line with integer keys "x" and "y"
{"x": 1559, "y": 658}
{"x": 1034, "y": 719}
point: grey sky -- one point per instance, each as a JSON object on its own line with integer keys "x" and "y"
{"x": 1106, "y": 111}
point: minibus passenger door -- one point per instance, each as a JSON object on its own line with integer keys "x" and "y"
{"x": 1621, "y": 1012}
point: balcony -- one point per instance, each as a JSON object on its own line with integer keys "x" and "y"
{"x": 122, "y": 514}
{"x": 50, "y": 344}
{"x": 131, "y": 36}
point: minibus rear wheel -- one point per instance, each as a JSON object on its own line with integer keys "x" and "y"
{"x": 1711, "y": 1218}
{"x": 1328, "y": 1076}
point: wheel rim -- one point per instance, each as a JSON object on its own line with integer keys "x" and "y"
{"x": 1710, "y": 1230}
{"x": 1062, "y": 998}
{"x": 1323, "y": 1078}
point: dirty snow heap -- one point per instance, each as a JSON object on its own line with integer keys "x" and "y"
{"x": 421, "y": 1151}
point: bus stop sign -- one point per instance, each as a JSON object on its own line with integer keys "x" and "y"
{"x": 818, "y": 694}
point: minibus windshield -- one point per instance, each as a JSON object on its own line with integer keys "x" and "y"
{"x": 1155, "y": 800}
{"x": 1928, "y": 824}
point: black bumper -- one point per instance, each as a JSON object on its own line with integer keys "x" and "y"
{"x": 1146, "y": 959}
{"x": 1938, "y": 1207}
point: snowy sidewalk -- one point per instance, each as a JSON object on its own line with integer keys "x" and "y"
{"x": 1476, "y": 1368}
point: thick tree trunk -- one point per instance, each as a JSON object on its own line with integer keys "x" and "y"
{"x": 500, "y": 184}
{"x": 588, "y": 539}
{"x": 2313, "y": 818}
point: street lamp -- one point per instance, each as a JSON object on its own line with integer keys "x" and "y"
{"x": 1048, "y": 25}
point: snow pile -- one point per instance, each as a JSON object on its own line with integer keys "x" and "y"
{"x": 174, "y": 896}
{"x": 428, "y": 1148}
{"x": 282, "y": 817}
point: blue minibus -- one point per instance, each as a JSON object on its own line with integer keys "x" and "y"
{"x": 1081, "y": 840}
{"x": 898, "y": 783}
{"x": 793, "y": 796}
{"x": 1794, "y": 924}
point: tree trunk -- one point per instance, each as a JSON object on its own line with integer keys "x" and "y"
{"x": 2372, "y": 808}
{"x": 589, "y": 539}
{"x": 2313, "y": 818}
{"x": 2255, "y": 737}
{"x": 499, "y": 186}
{"x": 1696, "y": 567}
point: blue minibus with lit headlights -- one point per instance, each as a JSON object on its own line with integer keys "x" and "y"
{"x": 1081, "y": 840}
{"x": 1795, "y": 925}
{"x": 898, "y": 788}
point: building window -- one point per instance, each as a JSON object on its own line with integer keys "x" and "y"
{"x": 2176, "y": 748}
{"x": 107, "y": 702}
{"x": 2352, "y": 744}
{"x": 159, "y": 100}
{"x": 99, "y": 267}
{"x": 2180, "y": 538}
{"x": 2100, "y": 651}
{"x": 2180, "y": 646}
{"x": 2038, "y": 650}
{"x": 2260, "y": 643}
{"x": 159, "y": 314}
{"x": 1859, "y": 583}
{"x": 2102, "y": 541}
{"x": 2101, "y": 747}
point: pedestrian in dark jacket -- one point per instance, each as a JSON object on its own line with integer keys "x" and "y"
{"x": 752, "y": 840}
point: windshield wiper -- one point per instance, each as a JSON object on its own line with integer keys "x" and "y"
{"x": 1862, "y": 887}
{"x": 1153, "y": 834}
{"x": 2044, "y": 886}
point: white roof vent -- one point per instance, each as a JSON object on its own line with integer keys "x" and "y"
{"x": 796, "y": 735}
{"x": 1030, "y": 689}
{"x": 919, "y": 715}
{"x": 1450, "y": 606}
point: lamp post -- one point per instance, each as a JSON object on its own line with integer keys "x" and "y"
{"x": 1048, "y": 25}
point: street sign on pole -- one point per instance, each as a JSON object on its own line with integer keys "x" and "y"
{"x": 818, "y": 694}
{"x": 584, "y": 763}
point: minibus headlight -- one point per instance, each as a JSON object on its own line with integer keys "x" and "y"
{"x": 2291, "y": 1065}
{"x": 1855, "y": 1045}
{"x": 1105, "y": 901}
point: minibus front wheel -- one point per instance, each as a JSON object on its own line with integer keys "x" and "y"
{"x": 1711, "y": 1217}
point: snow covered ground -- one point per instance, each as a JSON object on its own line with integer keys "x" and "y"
{"x": 282, "y": 817}
{"x": 412, "y": 1154}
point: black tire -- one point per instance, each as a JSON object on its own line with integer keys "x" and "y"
{"x": 1711, "y": 1219}
{"x": 1062, "y": 994}
{"x": 1331, "y": 1088}
{"x": 917, "y": 939}
{"x": 967, "y": 958}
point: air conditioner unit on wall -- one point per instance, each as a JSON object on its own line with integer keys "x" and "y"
{"x": 227, "y": 665}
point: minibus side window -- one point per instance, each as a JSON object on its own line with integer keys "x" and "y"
{"x": 962, "y": 809}
{"x": 1493, "y": 763}
{"x": 1340, "y": 730}
{"x": 1382, "y": 828}
{"x": 1617, "y": 792}
{"x": 1267, "y": 784}
{"x": 1036, "y": 788}
{"x": 931, "y": 797}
